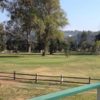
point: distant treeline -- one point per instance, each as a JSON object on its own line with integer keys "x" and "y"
{"x": 35, "y": 26}
{"x": 84, "y": 42}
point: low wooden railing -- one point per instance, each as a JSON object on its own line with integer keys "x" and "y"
{"x": 37, "y": 78}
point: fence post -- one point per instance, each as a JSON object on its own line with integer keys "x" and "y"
{"x": 98, "y": 93}
{"x": 89, "y": 80}
{"x": 14, "y": 75}
{"x": 61, "y": 79}
{"x": 36, "y": 78}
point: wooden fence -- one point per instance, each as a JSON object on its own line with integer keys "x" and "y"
{"x": 36, "y": 78}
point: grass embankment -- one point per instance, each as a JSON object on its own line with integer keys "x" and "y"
{"x": 84, "y": 66}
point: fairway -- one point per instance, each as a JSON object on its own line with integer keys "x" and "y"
{"x": 80, "y": 65}
{"x": 74, "y": 65}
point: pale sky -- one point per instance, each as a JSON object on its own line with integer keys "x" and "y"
{"x": 81, "y": 14}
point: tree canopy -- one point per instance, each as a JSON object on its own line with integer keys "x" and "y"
{"x": 44, "y": 17}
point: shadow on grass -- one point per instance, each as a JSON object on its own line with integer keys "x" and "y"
{"x": 10, "y": 56}
{"x": 40, "y": 83}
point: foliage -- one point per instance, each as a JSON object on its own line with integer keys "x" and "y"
{"x": 2, "y": 42}
{"x": 45, "y": 18}
{"x": 51, "y": 17}
{"x": 97, "y": 46}
{"x": 39, "y": 30}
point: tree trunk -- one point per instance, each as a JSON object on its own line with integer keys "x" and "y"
{"x": 45, "y": 39}
{"x": 29, "y": 48}
{"x": 45, "y": 48}
{"x": 29, "y": 42}
{"x": 51, "y": 52}
{"x": 44, "y": 51}
{"x": 5, "y": 47}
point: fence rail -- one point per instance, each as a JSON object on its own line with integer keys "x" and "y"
{"x": 45, "y": 78}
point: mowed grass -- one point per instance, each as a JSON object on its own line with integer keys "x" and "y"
{"x": 81, "y": 65}
{"x": 74, "y": 65}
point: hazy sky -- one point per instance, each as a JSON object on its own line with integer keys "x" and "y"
{"x": 81, "y": 14}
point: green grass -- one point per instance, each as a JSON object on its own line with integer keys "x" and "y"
{"x": 75, "y": 65}
{"x": 81, "y": 65}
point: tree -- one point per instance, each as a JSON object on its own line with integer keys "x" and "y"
{"x": 53, "y": 46}
{"x": 51, "y": 17}
{"x": 21, "y": 13}
{"x": 97, "y": 37}
{"x": 97, "y": 46}
{"x": 2, "y": 42}
{"x": 44, "y": 17}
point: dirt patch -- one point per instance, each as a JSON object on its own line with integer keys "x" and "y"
{"x": 42, "y": 70}
{"x": 9, "y": 82}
